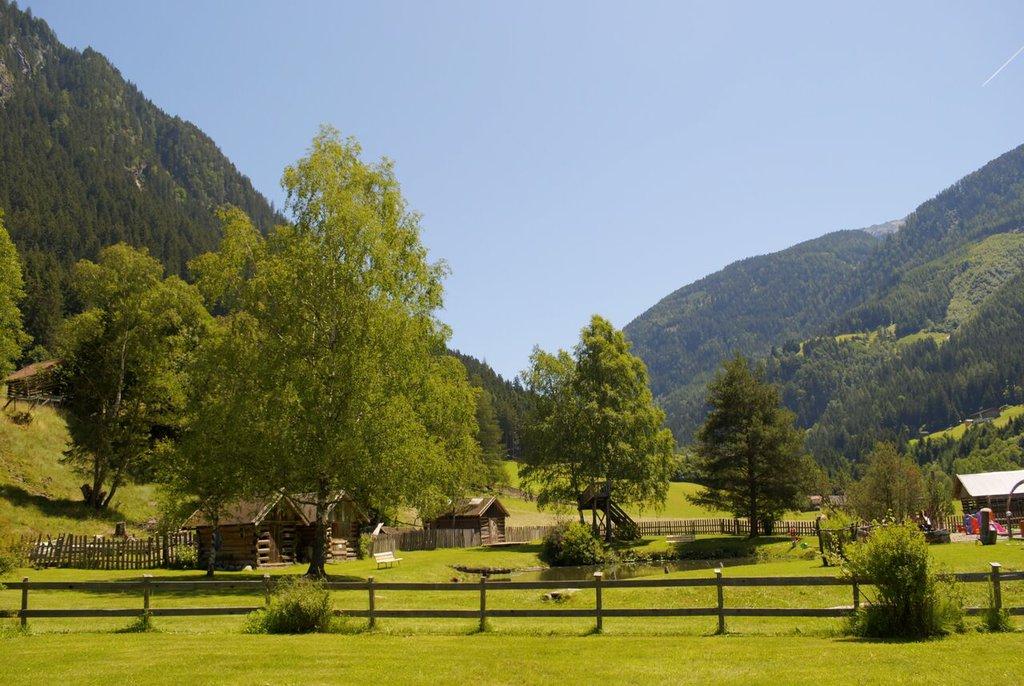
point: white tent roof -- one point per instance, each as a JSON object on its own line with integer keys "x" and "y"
{"x": 988, "y": 483}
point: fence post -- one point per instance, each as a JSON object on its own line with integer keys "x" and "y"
{"x": 856, "y": 595}
{"x": 721, "y": 601}
{"x": 24, "y": 603}
{"x": 997, "y": 593}
{"x": 146, "y": 590}
{"x": 598, "y": 577}
{"x": 373, "y": 609}
{"x": 483, "y": 602}
{"x": 266, "y": 590}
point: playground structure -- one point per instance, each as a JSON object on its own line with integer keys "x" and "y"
{"x": 606, "y": 515}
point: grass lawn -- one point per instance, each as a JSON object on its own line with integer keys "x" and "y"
{"x": 514, "y": 651}
{"x": 525, "y": 512}
{"x": 497, "y": 659}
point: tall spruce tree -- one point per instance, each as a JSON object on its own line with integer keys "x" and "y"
{"x": 749, "y": 455}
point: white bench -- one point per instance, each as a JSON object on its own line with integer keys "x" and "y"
{"x": 387, "y": 558}
{"x": 680, "y": 538}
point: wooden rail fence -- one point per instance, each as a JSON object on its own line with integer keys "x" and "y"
{"x": 92, "y": 552}
{"x": 147, "y": 586}
{"x": 672, "y": 527}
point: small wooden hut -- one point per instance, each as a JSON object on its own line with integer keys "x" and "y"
{"x": 38, "y": 383}
{"x": 278, "y": 530}
{"x": 484, "y": 514}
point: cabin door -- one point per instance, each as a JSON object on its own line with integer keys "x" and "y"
{"x": 492, "y": 531}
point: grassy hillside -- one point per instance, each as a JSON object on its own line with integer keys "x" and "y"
{"x": 40, "y": 495}
{"x": 957, "y": 432}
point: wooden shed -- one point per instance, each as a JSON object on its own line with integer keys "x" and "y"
{"x": 484, "y": 514}
{"x": 38, "y": 383}
{"x": 280, "y": 529}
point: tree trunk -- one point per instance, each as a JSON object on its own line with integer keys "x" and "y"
{"x": 317, "y": 569}
{"x": 215, "y": 540}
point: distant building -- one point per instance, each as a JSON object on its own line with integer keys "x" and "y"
{"x": 38, "y": 384}
{"x": 484, "y": 514}
{"x": 991, "y": 489}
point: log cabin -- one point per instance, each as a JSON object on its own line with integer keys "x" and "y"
{"x": 484, "y": 514}
{"x": 279, "y": 529}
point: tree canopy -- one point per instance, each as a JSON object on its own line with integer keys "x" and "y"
{"x": 594, "y": 420}
{"x": 891, "y": 486}
{"x": 124, "y": 360}
{"x": 332, "y": 323}
{"x": 12, "y": 335}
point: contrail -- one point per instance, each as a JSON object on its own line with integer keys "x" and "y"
{"x": 1012, "y": 58}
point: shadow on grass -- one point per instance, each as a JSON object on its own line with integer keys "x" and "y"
{"x": 57, "y": 507}
{"x": 513, "y": 548}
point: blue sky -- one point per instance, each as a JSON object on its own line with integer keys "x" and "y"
{"x": 573, "y": 158}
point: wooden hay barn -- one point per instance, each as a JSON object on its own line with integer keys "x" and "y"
{"x": 278, "y": 530}
{"x": 991, "y": 489}
{"x": 484, "y": 514}
{"x": 38, "y": 383}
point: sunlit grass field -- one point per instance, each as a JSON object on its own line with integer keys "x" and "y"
{"x": 677, "y": 506}
{"x": 513, "y": 651}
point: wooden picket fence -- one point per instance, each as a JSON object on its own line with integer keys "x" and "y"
{"x": 98, "y": 552}
{"x": 147, "y": 586}
{"x": 426, "y": 539}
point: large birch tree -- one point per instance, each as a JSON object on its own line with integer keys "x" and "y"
{"x": 334, "y": 318}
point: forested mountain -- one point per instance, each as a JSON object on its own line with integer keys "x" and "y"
{"x": 509, "y": 400}
{"x": 747, "y": 307}
{"x": 911, "y": 331}
{"x": 86, "y": 160}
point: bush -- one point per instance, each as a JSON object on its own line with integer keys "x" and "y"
{"x": 911, "y": 600}
{"x": 186, "y": 557}
{"x": 365, "y": 546}
{"x": 11, "y": 557}
{"x": 299, "y": 606}
{"x": 571, "y": 544}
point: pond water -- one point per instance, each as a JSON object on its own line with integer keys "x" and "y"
{"x": 624, "y": 571}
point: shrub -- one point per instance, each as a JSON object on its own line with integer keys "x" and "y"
{"x": 572, "y": 543}
{"x": 299, "y": 606}
{"x": 11, "y": 557}
{"x": 186, "y": 557}
{"x": 365, "y": 546}
{"x": 911, "y": 600}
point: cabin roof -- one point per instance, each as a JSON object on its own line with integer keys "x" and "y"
{"x": 475, "y": 507}
{"x": 987, "y": 483}
{"x": 254, "y": 511}
{"x": 31, "y": 370}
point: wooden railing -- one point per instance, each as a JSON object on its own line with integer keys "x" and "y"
{"x": 147, "y": 586}
{"x": 673, "y": 527}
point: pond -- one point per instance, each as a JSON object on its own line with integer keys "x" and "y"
{"x": 625, "y": 571}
